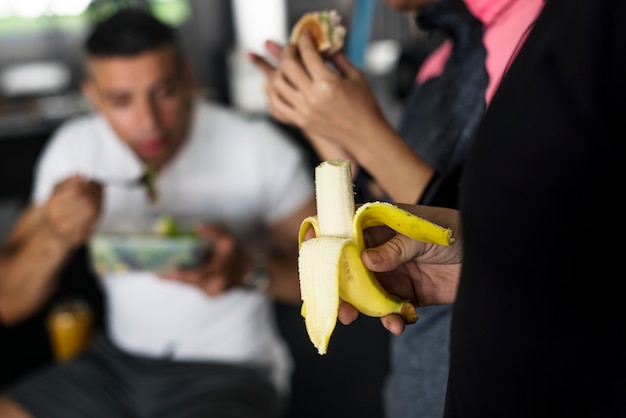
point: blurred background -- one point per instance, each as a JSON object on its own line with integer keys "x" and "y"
{"x": 41, "y": 66}
{"x": 40, "y": 75}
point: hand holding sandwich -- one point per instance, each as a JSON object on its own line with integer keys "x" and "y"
{"x": 327, "y": 103}
{"x": 330, "y": 100}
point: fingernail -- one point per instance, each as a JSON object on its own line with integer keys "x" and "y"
{"x": 375, "y": 256}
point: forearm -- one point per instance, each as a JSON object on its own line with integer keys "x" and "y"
{"x": 327, "y": 150}
{"x": 284, "y": 284}
{"x": 28, "y": 272}
{"x": 397, "y": 169}
{"x": 282, "y": 259}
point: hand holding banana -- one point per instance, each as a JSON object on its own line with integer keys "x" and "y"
{"x": 330, "y": 264}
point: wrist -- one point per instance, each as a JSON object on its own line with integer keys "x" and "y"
{"x": 367, "y": 151}
{"x": 56, "y": 237}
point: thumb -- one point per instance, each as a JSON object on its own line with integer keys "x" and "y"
{"x": 390, "y": 255}
{"x": 342, "y": 63}
{"x": 208, "y": 230}
{"x": 222, "y": 242}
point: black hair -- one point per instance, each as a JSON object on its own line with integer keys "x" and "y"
{"x": 128, "y": 32}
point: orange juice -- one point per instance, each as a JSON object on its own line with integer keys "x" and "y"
{"x": 70, "y": 328}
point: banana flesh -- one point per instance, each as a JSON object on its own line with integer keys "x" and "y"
{"x": 330, "y": 265}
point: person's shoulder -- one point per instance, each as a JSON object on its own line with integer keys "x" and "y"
{"x": 72, "y": 130}
{"x": 212, "y": 110}
{"x": 231, "y": 122}
{"x": 217, "y": 112}
{"x": 79, "y": 136}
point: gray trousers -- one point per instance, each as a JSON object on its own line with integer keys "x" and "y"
{"x": 106, "y": 382}
{"x": 418, "y": 375}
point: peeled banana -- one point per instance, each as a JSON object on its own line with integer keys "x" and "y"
{"x": 330, "y": 266}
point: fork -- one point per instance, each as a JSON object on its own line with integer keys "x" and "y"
{"x": 126, "y": 183}
{"x": 146, "y": 180}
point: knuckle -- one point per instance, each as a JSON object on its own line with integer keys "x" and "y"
{"x": 324, "y": 92}
{"x": 284, "y": 67}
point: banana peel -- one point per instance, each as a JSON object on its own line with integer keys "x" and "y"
{"x": 330, "y": 265}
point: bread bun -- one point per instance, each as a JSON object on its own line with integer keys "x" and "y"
{"x": 326, "y": 30}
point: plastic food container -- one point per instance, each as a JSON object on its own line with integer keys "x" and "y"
{"x": 158, "y": 252}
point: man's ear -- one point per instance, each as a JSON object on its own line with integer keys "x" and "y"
{"x": 91, "y": 94}
{"x": 188, "y": 75}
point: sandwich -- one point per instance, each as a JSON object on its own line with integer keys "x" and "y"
{"x": 325, "y": 28}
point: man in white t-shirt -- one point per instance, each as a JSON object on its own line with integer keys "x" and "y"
{"x": 193, "y": 342}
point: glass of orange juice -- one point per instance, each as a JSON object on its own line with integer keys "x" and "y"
{"x": 70, "y": 328}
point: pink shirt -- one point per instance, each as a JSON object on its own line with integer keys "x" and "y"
{"x": 507, "y": 24}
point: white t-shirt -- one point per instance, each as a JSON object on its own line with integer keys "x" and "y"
{"x": 241, "y": 172}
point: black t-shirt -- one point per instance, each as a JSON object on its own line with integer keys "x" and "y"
{"x": 539, "y": 324}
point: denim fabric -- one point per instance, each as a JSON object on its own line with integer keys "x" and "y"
{"x": 439, "y": 119}
{"x": 416, "y": 384}
{"x": 440, "y": 116}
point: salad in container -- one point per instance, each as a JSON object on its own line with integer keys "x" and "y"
{"x": 165, "y": 246}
